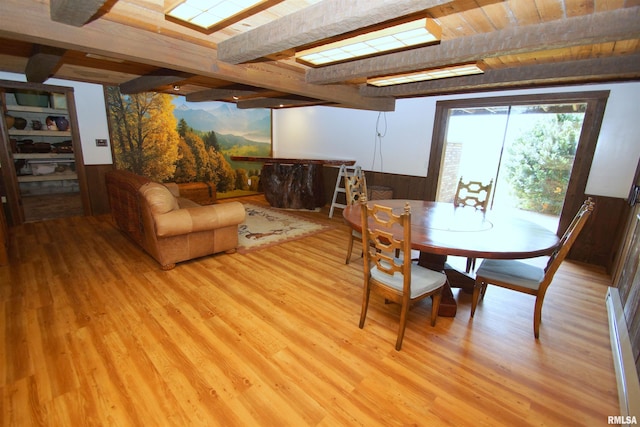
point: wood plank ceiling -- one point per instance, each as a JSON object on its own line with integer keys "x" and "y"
{"x": 129, "y": 43}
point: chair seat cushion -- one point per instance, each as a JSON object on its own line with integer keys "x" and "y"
{"x": 423, "y": 280}
{"x": 511, "y": 271}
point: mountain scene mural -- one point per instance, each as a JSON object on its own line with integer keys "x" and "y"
{"x": 167, "y": 139}
{"x": 224, "y": 118}
{"x": 238, "y": 132}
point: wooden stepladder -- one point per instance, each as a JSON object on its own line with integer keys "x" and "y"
{"x": 340, "y": 186}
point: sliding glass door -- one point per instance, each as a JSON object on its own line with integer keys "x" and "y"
{"x": 526, "y": 150}
{"x": 537, "y": 150}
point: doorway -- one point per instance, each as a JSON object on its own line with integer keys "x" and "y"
{"x": 589, "y": 105}
{"x": 527, "y": 151}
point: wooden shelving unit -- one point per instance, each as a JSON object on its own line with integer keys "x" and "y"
{"x": 22, "y": 165}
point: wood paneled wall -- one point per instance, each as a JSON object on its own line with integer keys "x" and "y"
{"x": 97, "y": 188}
{"x": 628, "y": 287}
{"x": 598, "y": 244}
{"x": 404, "y": 186}
{"x": 602, "y": 237}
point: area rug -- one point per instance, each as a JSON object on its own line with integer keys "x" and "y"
{"x": 265, "y": 227}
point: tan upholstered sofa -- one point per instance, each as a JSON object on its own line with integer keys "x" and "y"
{"x": 171, "y": 228}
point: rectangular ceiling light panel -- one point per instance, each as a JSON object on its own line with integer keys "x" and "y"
{"x": 207, "y": 13}
{"x": 419, "y": 76}
{"x": 410, "y": 34}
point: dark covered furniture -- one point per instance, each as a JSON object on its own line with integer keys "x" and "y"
{"x": 293, "y": 183}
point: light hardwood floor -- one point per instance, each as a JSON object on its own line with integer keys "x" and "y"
{"x": 94, "y": 333}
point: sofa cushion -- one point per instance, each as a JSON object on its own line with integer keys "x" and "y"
{"x": 173, "y": 187}
{"x": 159, "y": 198}
{"x": 187, "y": 203}
{"x": 201, "y": 218}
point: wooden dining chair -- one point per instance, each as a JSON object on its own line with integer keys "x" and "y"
{"x": 474, "y": 194}
{"x": 397, "y": 279}
{"x": 355, "y": 188}
{"x": 522, "y": 277}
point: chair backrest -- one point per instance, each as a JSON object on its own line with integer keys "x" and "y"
{"x": 380, "y": 230}
{"x": 355, "y": 187}
{"x": 567, "y": 240}
{"x": 473, "y": 193}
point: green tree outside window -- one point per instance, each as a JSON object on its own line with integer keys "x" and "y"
{"x": 541, "y": 162}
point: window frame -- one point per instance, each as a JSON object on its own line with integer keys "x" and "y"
{"x": 596, "y": 102}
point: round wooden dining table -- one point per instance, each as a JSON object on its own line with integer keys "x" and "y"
{"x": 441, "y": 229}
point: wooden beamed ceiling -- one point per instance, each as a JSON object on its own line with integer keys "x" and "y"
{"x": 73, "y": 12}
{"x": 611, "y": 26}
{"x": 129, "y": 43}
{"x": 320, "y": 21}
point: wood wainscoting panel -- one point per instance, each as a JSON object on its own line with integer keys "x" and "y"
{"x": 602, "y": 236}
{"x": 98, "y": 188}
{"x": 403, "y": 186}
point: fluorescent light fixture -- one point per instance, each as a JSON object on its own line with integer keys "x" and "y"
{"x": 401, "y": 36}
{"x": 207, "y": 14}
{"x": 419, "y": 76}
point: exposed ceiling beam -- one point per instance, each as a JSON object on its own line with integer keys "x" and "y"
{"x": 270, "y": 77}
{"x": 582, "y": 71}
{"x": 150, "y": 82}
{"x": 217, "y": 94}
{"x": 98, "y": 39}
{"x": 274, "y": 103}
{"x": 42, "y": 63}
{"x": 74, "y": 12}
{"x": 166, "y": 52}
{"x": 621, "y": 24}
{"x": 326, "y": 19}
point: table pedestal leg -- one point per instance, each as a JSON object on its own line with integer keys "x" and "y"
{"x": 459, "y": 279}
{"x": 455, "y": 279}
{"x": 448, "y": 305}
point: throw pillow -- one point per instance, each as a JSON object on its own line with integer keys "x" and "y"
{"x": 159, "y": 198}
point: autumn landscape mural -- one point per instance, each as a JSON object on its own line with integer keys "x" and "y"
{"x": 167, "y": 139}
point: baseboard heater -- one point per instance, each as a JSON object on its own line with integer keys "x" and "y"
{"x": 623, "y": 360}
